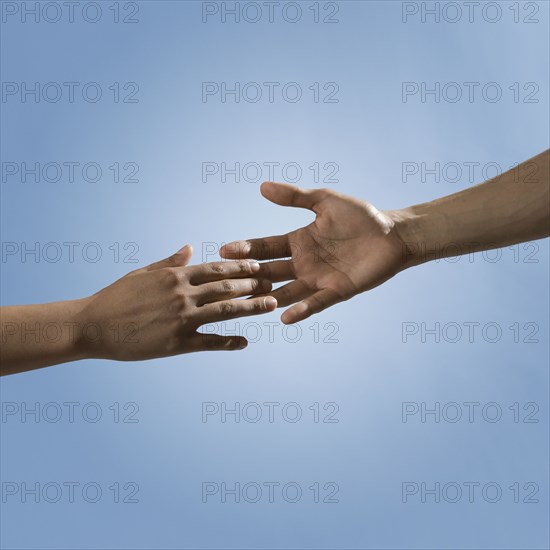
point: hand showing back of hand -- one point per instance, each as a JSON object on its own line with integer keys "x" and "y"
{"x": 168, "y": 301}
{"x": 155, "y": 311}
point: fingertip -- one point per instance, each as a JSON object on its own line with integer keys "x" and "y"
{"x": 265, "y": 186}
{"x": 268, "y": 188}
{"x": 232, "y": 251}
{"x": 183, "y": 255}
{"x": 223, "y": 250}
{"x": 270, "y": 303}
{"x": 286, "y": 318}
{"x": 295, "y": 314}
{"x": 238, "y": 343}
{"x": 186, "y": 249}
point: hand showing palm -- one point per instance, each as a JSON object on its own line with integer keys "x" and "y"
{"x": 349, "y": 248}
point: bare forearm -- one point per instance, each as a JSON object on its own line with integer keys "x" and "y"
{"x": 511, "y": 208}
{"x": 37, "y": 336}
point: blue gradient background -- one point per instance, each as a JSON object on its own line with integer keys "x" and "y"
{"x": 369, "y": 372}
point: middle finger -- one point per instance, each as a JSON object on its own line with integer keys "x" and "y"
{"x": 230, "y": 288}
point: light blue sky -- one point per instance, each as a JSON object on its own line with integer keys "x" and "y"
{"x": 369, "y": 133}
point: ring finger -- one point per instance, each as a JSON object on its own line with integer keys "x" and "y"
{"x": 231, "y": 288}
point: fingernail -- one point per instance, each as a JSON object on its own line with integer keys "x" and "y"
{"x": 254, "y": 266}
{"x": 270, "y": 302}
{"x": 182, "y": 249}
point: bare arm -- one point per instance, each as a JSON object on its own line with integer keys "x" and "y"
{"x": 511, "y": 208}
{"x": 39, "y": 335}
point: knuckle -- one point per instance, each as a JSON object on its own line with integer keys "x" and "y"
{"x": 179, "y": 305}
{"x": 244, "y": 267}
{"x": 217, "y": 268}
{"x": 228, "y": 287}
{"x": 226, "y": 308}
{"x": 170, "y": 276}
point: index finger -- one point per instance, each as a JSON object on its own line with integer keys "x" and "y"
{"x": 267, "y": 248}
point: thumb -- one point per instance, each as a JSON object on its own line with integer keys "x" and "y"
{"x": 180, "y": 259}
{"x": 290, "y": 195}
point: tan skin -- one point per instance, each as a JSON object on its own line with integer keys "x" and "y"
{"x": 352, "y": 247}
{"x": 151, "y": 312}
{"x": 332, "y": 260}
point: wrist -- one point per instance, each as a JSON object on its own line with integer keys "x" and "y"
{"x": 84, "y": 330}
{"x": 413, "y": 227}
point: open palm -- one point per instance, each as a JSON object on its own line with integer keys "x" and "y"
{"x": 349, "y": 248}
